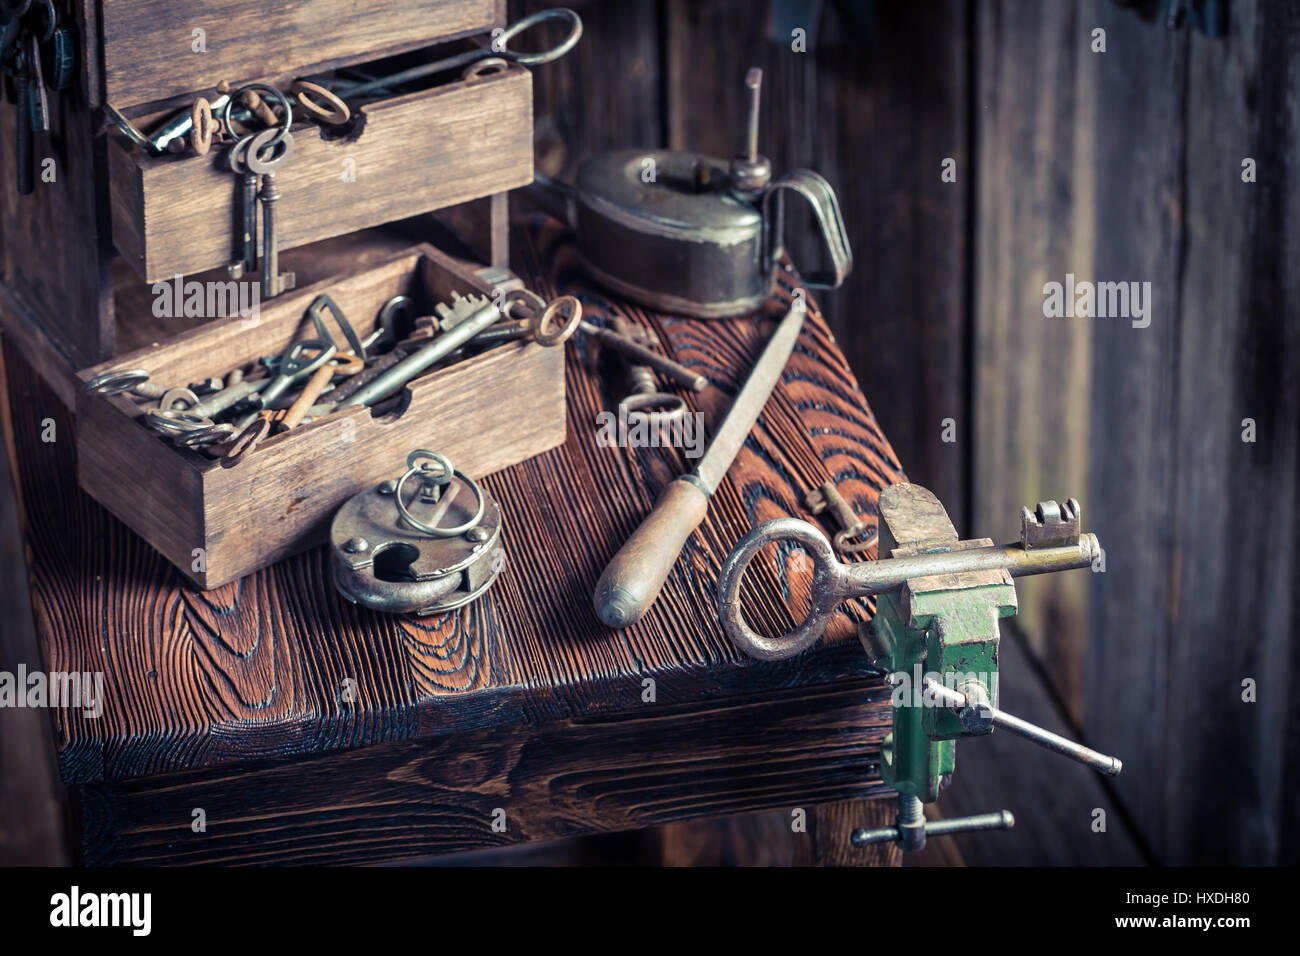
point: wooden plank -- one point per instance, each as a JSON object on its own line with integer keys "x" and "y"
{"x": 150, "y": 55}
{"x": 605, "y": 94}
{"x": 32, "y": 800}
{"x": 567, "y": 777}
{"x": 875, "y": 105}
{"x": 1037, "y": 196}
{"x": 1231, "y": 512}
{"x": 481, "y": 128}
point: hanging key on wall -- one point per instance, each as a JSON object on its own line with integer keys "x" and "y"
{"x": 37, "y": 53}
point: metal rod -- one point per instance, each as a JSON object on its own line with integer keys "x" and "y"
{"x": 643, "y": 356}
{"x": 425, "y": 357}
{"x": 754, "y": 81}
{"x": 1068, "y": 748}
{"x": 874, "y": 577}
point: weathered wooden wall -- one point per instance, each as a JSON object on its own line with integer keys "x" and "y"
{"x": 1116, "y": 165}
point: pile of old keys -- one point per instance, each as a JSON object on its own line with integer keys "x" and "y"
{"x": 226, "y": 417}
{"x": 934, "y": 634}
{"x": 37, "y": 53}
{"x": 420, "y": 550}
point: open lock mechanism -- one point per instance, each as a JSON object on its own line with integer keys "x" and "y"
{"x": 420, "y": 547}
{"x": 935, "y": 633}
{"x": 690, "y": 234}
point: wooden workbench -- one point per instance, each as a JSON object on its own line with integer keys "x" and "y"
{"x": 310, "y": 730}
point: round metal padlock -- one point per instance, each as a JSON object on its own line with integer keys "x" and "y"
{"x": 423, "y": 544}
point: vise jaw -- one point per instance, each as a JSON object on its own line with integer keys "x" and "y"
{"x": 939, "y": 626}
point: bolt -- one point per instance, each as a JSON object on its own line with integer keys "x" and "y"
{"x": 478, "y": 533}
{"x": 355, "y": 545}
{"x": 387, "y": 488}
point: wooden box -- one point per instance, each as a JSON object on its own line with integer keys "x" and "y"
{"x": 152, "y": 51}
{"x": 485, "y": 413}
{"x": 409, "y": 154}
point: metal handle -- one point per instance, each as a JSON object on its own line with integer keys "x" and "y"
{"x": 912, "y": 829}
{"x": 821, "y": 197}
{"x": 957, "y": 700}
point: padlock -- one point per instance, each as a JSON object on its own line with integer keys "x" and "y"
{"x": 421, "y": 546}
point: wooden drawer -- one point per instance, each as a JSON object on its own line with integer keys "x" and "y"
{"x": 485, "y": 413}
{"x": 149, "y": 50}
{"x": 174, "y": 215}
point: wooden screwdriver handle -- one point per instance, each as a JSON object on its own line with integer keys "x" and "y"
{"x": 633, "y": 579}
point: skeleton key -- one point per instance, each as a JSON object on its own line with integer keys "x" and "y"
{"x": 38, "y": 102}
{"x": 264, "y": 155}
{"x": 22, "y": 79}
{"x": 828, "y": 498}
{"x": 247, "y": 247}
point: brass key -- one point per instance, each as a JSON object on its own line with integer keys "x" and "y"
{"x": 828, "y": 498}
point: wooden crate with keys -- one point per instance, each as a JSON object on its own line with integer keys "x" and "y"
{"x": 219, "y": 517}
{"x": 423, "y": 109}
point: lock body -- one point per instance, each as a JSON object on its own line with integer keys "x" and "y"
{"x": 664, "y": 228}
{"x": 381, "y": 561}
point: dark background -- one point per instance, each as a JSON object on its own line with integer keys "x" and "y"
{"x": 1122, "y": 165}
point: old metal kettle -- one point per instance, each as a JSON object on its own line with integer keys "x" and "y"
{"x": 691, "y": 234}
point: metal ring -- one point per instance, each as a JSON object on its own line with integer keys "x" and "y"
{"x": 338, "y": 113}
{"x": 429, "y": 529}
{"x": 263, "y": 141}
{"x": 236, "y": 157}
{"x": 488, "y": 66}
{"x": 541, "y": 16}
{"x": 550, "y": 338}
{"x": 533, "y": 304}
{"x": 176, "y": 421}
{"x": 203, "y": 437}
{"x": 50, "y": 23}
{"x": 202, "y": 126}
{"x": 117, "y": 382}
{"x": 827, "y": 590}
{"x": 261, "y": 88}
{"x": 179, "y": 394}
{"x": 644, "y": 402}
{"x": 423, "y": 454}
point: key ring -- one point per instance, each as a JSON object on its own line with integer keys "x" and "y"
{"x": 227, "y": 106}
{"x": 830, "y": 586}
{"x": 413, "y": 468}
{"x": 497, "y": 49}
{"x": 117, "y": 382}
{"x": 552, "y": 327}
{"x": 543, "y": 56}
{"x": 337, "y": 114}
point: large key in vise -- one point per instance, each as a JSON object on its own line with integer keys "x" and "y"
{"x": 935, "y": 633}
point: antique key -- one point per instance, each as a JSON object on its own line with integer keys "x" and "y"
{"x": 273, "y": 281}
{"x": 246, "y": 251}
{"x": 645, "y": 397}
{"x": 828, "y": 498}
{"x": 939, "y": 600}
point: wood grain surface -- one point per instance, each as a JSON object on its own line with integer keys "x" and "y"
{"x": 263, "y": 667}
{"x": 149, "y": 52}
{"x": 785, "y": 750}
